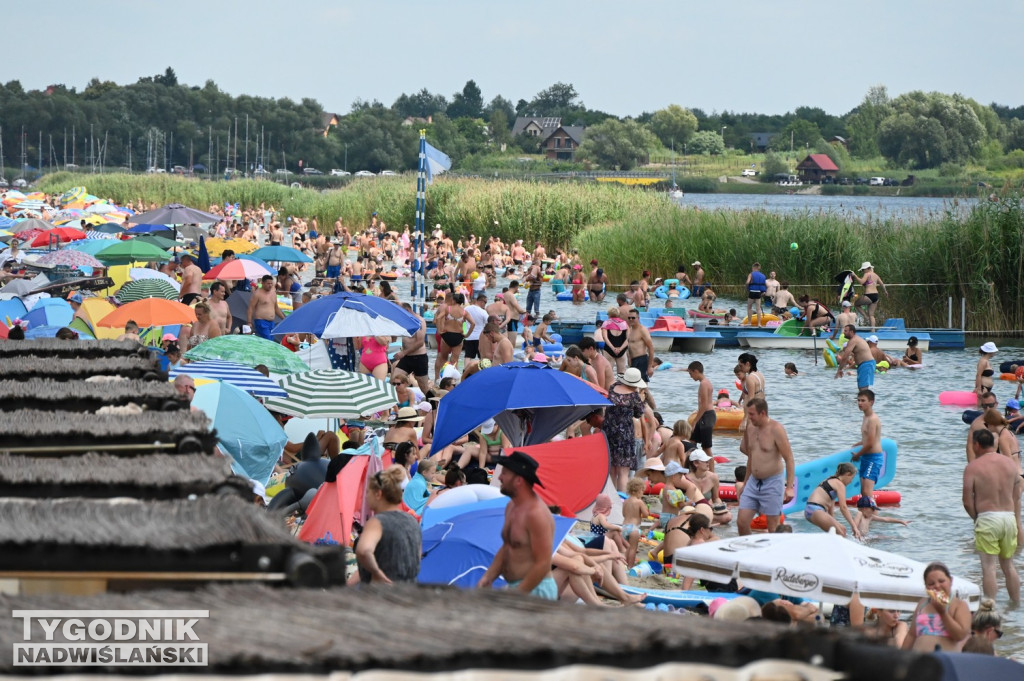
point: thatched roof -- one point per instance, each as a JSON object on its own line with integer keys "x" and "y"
{"x": 150, "y": 476}
{"x": 30, "y": 367}
{"x": 53, "y": 347}
{"x": 61, "y": 432}
{"x": 82, "y": 395}
{"x": 256, "y": 629}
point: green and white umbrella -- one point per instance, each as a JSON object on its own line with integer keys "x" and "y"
{"x": 146, "y": 288}
{"x": 250, "y": 351}
{"x": 333, "y": 393}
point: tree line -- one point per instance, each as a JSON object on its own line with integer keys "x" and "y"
{"x": 158, "y": 122}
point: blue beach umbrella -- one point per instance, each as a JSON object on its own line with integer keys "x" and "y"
{"x": 458, "y": 551}
{"x": 530, "y": 402}
{"x": 203, "y": 261}
{"x": 149, "y": 229}
{"x": 51, "y": 332}
{"x": 12, "y": 309}
{"x": 244, "y": 428}
{"x": 50, "y": 312}
{"x": 91, "y": 245}
{"x": 249, "y": 380}
{"x": 314, "y": 317}
{"x": 281, "y": 254}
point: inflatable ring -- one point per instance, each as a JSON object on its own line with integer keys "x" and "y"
{"x": 761, "y": 522}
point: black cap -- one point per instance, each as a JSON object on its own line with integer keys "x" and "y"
{"x": 522, "y": 464}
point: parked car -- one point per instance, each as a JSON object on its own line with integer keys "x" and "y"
{"x": 339, "y": 173}
{"x": 155, "y": 170}
{"x": 844, "y": 181}
{"x": 311, "y": 171}
{"x": 861, "y": 180}
{"x": 283, "y": 171}
{"x": 388, "y": 173}
{"x": 364, "y": 173}
{"x": 877, "y": 182}
{"x": 749, "y": 172}
{"x": 261, "y": 172}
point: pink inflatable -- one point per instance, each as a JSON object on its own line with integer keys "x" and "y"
{"x": 959, "y": 398}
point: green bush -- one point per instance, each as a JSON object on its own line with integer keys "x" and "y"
{"x": 950, "y": 169}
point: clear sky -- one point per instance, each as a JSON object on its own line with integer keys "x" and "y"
{"x": 623, "y": 56}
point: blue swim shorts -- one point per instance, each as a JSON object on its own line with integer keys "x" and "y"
{"x": 765, "y": 496}
{"x": 547, "y": 589}
{"x": 871, "y": 466}
{"x": 866, "y": 374}
{"x": 333, "y": 271}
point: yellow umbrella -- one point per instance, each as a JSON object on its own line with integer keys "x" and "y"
{"x": 215, "y": 247}
{"x": 95, "y": 309}
{"x": 95, "y": 219}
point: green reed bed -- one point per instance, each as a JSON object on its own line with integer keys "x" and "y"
{"x": 979, "y": 257}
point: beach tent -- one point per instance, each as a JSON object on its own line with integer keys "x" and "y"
{"x": 339, "y": 503}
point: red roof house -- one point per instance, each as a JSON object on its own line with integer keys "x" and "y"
{"x": 816, "y": 167}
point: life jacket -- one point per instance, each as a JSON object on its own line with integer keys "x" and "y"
{"x": 757, "y": 282}
{"x": 821, "y": 306}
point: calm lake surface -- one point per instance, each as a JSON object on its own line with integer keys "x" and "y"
{"x": 910, "y": 209}
{"x": 821, "y": 417}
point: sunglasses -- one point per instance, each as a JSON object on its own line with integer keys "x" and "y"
{"x": 999, "y": 633}
{"x": 989, "y": 404}
{"x": 632, "y": 317}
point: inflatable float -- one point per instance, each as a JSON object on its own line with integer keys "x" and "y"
{"x": 765, "y": 320}
{"x": 959, "y": 398}
{"x": 725, "y": 419}
{"x": 1011, "y": 366}
{"x": 567, "y": 295}
{"x": 697, "y": 314}
{"x": 810, "y": 474}
{"x": 1008, "y": 377}
{"x": 882, "y": 497}
{"x": 662, "y": 291}
{"x": 677, "y": 597}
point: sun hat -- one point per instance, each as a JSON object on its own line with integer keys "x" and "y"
{"x": 699, "y": 456}
{"x": 260, "y": 490}
{"x": 865, "y": 265}
{"x": 673, "y": 468}
{"x": 577, "y": 267}
{"x": 847, "y": 303}
{"x": 989, "y": 347}
{"x": 169, "y": 337}
{"x": 408, "y": 414}
{"x": 872, "y": 338}
{"x": 653, "y": 464}
{"x": 632, "y": 378}
{"x": 522, "y": 464}
{"x": 695, "y": 263}
{"x": 540, "y": 357}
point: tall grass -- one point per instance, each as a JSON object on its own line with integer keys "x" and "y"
{"x": 979, "y": 257}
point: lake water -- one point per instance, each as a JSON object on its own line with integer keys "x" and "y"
{"x": 821, "y": 417}
{"x": 910, "y": 209}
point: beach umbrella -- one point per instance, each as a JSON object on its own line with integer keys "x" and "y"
{"x": 12, "y": 308}
{"x": 51, "y": 331}
{"x": 217, "y": 246}
{"x": 249, "y": 380}
{"x": 72, "y": 195}
{"x": 448, "y": 506}
{"x": 158, "y": 241}
{"x": 249, "y": 351}
{"x": 69, "y": 258}
{"x": 108, "y": 228}
{"x": 57, "y": 235}
{"x": 333, "y": 393}
{"x": 102, "y": 208}
{"x": 203, "y": 257}
{"x": 139, "y": 273}
{"x": 92, "y": 244}
{"x": 150, "y": 312}
{"x": 149, "y": 229}
{"x": 244, "y": 427}
{"x": 95, "y": 220}
{"x": 146, "y": 288}
{"x": 239, "y": 269}
{"x": 815, "y": 565}
{"x": 133, "y": 250}
{"x": 50, "y": 312}
{"x": 17, "y": 288}
{"x": 281, "y": 254}
{"x": 360, "y": 315}
{"x": 99, "y": 236}
{"x": 458, "y": 551}
{"x": 175, "y": 214}
{"x": 531, "y": 403}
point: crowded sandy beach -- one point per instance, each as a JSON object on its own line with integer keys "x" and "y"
{"x": 426, "y": 391}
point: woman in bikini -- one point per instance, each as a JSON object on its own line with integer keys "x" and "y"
{"x": 913, "y": 355}
{"x": 942, "y": 619}
{"x": 450, "y": 324}
{"x": 753, "y": 382}
{"x": 373, "y": 356}
{"x": 614, "y": 333}
{"x": 822, "y": 502}
{"x": 868, "y": 302}
{"x": 983, "y": 377}
{"x": 204, "y": 327}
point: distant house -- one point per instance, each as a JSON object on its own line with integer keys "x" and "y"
{"x": 761, "y": 140}
{"x": 416, "y": 120}
{"x": 839, "y": 141}
{"x": 540, "y": 127}
{"x": 816, "y": 167}
{"x": 562, "y": 142}
{"x": 327, "y": 121}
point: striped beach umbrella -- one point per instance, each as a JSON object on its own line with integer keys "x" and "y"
{"x": 333, "y": 393}
{"x": 239, "y": 269}
{"x": 146, "y": 288}
{"x": 249, "y": 380}
{"x": 30, "y": 204}
{"x": 250, "y": 351}
{"x": 72, "y": 195}
{"x": 138, "y": 273}
{"x": 70, "y": 258}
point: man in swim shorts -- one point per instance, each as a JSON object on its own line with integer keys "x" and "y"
{"x": 706, "y": 417}
{"x": 412, "y": 358}
{"x": 263, "y": 309}
{"x": 770, "y": 470}
{"x": 640, "y": 346}
{"x": 524, "y": 559}
{"x": 992, "y": 489}
{"x": 857, "y": 348}
{"x": 870, "y": 453}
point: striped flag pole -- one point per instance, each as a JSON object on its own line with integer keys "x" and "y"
{"x": 420, "y": 294}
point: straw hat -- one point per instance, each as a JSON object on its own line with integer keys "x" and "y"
{"x": 408, "y": 415}
{"x": 632, "y": 378}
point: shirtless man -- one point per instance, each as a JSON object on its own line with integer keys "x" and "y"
{"x": 600, "y": 363}
{"x": 847, "y": 316}
{"x": 989, "y": 402}
{"x": 191, "y": 280}
{"x": 877, "y": 354}
{"x": 276, "y": 234}
{"x": 412, "y": 358}
{"x": 706, "y": 417}
{"x": 263, "y": 309}
{"x": 334, "y": 258}
{"x": 524, "y": 559}
{"x": 501, "y": 346}
{"x": 861, "y": 354}
{"x": 131, "y": 332}
{"x": 991, "y": 496}
{"x": 220, "y": 313}
{"x": 515, "y": 310}
{"x": 771, "y": 287}
{"x": 640, "y": 347}
{"x": 698, "y": 278}
{"x": 870, "y": 453}
{"x": 783, "y": 299}
{"x": 518, "y": 253}
{"x": 768, "y": 452}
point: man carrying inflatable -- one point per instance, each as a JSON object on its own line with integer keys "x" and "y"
{"x": 861, "y": 353}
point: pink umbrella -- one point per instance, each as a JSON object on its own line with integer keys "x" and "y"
{"x": 70, "y": 258}
{"x": 238, "y": 269}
